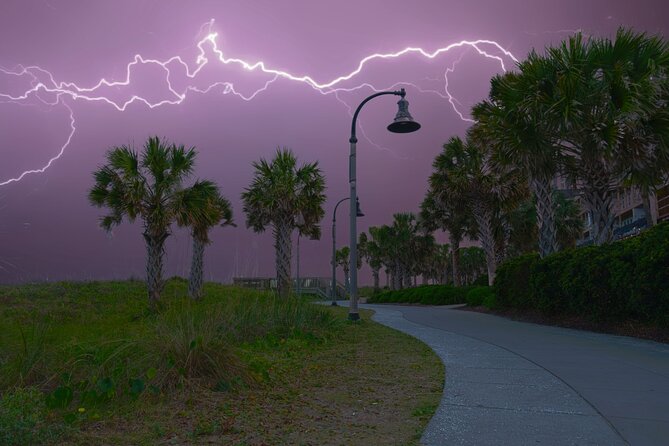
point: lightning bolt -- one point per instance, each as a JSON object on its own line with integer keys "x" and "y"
{"x": 42, "y": 82}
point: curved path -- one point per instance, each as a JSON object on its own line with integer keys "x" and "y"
{"x": 518, "y": 383}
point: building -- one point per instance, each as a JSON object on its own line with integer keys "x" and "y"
{"x": 630, "y": 213}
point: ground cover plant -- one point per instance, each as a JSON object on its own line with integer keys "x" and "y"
{"x": 86, "y": 363}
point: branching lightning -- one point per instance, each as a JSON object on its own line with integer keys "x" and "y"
{"x": 43, "y": 83}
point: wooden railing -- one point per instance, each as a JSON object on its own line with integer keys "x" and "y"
{"x": 308, "y": 285}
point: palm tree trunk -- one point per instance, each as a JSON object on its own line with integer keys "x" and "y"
{"x": 375, "y": 275}
{"x": 155, "y": 248}
{"x": 347, "y": 282}
{"x": 283, "y": 254}
{"x": 543, "y": 192}
{"x": 196, "y": 269}
{"x": 645, "y": 197}
{"x": 455, "y": 258}
{"x": 598, "y": 199}
{"x": 397, "y": 277}
{"x": 483, "y": 217}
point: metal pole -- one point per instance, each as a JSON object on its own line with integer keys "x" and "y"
{"x": 353, "y": 286}
{"x": 353, "y": 292}
{"x": 333, "y": 291}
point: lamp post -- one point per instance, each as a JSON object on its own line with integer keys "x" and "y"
{"x": 403, "y": 123}
{"x": 358, "y": 213}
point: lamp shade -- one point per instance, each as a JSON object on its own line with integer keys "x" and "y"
{"x": 403, "y": 122}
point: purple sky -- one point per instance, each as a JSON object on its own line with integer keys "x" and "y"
{"x": 48, "y": 231}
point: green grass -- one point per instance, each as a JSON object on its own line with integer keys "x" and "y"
{"x": 239, "y": 367}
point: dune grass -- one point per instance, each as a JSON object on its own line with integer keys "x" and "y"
{"x": 85, "y": 363}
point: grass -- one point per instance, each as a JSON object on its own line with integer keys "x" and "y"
{"x": 85, "y": 363}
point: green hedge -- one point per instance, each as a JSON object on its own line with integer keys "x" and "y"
{"x": 478, "y": 295}
{"x": 425, "y": 294}
{"x": 619, "y": 281}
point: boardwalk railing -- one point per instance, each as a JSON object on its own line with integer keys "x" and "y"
{"x": 319, "y": 286}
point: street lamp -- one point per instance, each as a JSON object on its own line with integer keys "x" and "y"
{"x": 358, "y": 213}
{"x": 403, "y": 123}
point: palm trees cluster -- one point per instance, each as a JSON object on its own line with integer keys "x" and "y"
{"x": 150, "y": 187}
{"x": 592, "y": 112}
{"x": 407, "y": 249}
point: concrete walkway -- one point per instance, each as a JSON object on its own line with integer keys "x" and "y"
{"x": 515, "y": 383}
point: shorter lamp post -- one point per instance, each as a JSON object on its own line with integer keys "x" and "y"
{"x": 333, "y": 289}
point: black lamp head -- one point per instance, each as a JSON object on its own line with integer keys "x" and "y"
{"x": 403, "y": 122}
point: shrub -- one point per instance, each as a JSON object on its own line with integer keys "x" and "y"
{"x": 624, "y": 280}
{"x": 425, "y": 294}
{"x": 512, "y": 281}
{"x": 490, "y": 301}
{"x": 476, "y": 296}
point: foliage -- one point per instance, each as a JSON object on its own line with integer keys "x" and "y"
{"x": 425, "y": 294}
{"x": 112, "y": 373}
{"x": 23, "y": 419}
{"x": 189, "y": 342}
{"x": 149, "y": 187}
{"x": 285, "y": 196}
{"x": 213, "y": 209}
{"x": 478, "y": 295}
{"x": 512, "y": 283}
{"x": 615, "y": 282}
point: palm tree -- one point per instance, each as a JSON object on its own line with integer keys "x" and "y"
{"x": 342, "y": 259}
{"x": 523, "y": 220}
{"x": 386, "y": 250}
{"x": 405, "y": 232}
{"x": 279, "y": 192}
{"x": 514, "y": 120}
{"x": 473, "y": 264}
{"x": 149, "y": 188}
{"x": 215, "y": 210}
{"x": 446, "y": 211}
{"x": 608, "y": 103}
{"x": 373, "y": 254}
{"x": 470, "y": 177}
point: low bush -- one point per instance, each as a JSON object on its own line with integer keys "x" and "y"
{"x": 624, "y": 280}
{"x": 490, "y": 301}
{"x": 425, "y": 294}
{"x": 477, "y": 295}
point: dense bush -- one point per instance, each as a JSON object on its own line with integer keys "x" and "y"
{"x": 624, "y": 280}
{"x": 512, "y": 282}
{"x": 426, "y": 294}
{"x": 477, "y": 295}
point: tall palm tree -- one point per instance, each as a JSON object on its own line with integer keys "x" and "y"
{"x": 608, "y": 101}
{"x": 513, "y": 120}
{"x": 148, "y": 187}
{"x": 279, "y": 192}
{"x": 214, "y": 210}
{"x": 468, "y": 173}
